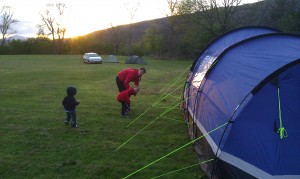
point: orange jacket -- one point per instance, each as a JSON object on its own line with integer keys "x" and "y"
{"x": 129, "y": 75}
{"x": 124, "y": 96}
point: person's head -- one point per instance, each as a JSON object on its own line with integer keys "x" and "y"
{"x": 136, "y": 89}
{"x": 142, "y": 71}
{"x": 71, "y": 91}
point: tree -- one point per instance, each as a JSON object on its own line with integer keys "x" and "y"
{"x": 172, "y": 30}
{"x": 117, "y": 38}
{"x": 285, "y": 15}
{"x": 6, "y": 23}
{"x": 173, "y": 7}
{"x": 52, "y": 25}
{"x": 132, "y": 9}
{"x": 212, "y": 16}
{"x": 152, "y": 40}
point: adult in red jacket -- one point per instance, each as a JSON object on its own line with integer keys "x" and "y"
{"x": 128, "y": 75}
{"x": 124, "y": 98}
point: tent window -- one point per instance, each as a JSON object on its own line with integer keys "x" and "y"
{"x": 203, "y": 68}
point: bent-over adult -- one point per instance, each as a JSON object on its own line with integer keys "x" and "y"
{"x": 128, "y": 75}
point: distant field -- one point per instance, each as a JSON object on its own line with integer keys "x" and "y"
{"x": 35, "y": 142}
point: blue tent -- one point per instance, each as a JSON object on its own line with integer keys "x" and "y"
{"x": 243, "y": 95}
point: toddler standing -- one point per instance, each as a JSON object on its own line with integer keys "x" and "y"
{"x": 70, "y": 103}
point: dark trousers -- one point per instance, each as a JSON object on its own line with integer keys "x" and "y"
{"x": 125, "y": 108}
{"x": 71, "y": 115}
{"x": 120, "y": 84}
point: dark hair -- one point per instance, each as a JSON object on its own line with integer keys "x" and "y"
{"x": 143, "y": 69}
{"x": 71, "y": 91}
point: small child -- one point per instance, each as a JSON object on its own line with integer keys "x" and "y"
{"x": 70, "y": 104}
{"x": 124, "y": 99}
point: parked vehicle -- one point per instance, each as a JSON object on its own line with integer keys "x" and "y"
{"x": 91, "y": 57}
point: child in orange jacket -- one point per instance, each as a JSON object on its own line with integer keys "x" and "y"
{"x": 124, "y": 98}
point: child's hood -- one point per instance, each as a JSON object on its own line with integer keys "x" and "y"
{"x": 71, "y": 91}
{"x": 131, "y": 91}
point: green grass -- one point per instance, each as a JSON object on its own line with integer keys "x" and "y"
{"x": 35, "y": 142}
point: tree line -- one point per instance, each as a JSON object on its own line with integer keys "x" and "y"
{"x": 187, "y": 28}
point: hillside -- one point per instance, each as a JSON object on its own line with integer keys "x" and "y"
{"x": 262, "y": 13}
{"x": 138, "y": 29}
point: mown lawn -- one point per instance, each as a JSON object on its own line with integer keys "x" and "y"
{"x": 35, "y": 142}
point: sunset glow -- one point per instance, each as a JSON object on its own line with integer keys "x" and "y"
{"x": 83, "y": 17}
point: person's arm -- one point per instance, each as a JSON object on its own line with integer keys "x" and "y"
{"x": 74, "y": 102}
{"x": 136, "y": 82}
{"x": 63, "y": 102}
{"x": 77, "y": 102}
{"x": 127, "y": 81}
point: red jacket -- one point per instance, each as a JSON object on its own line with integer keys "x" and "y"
{"x": 129, "y": 75}
{"x": 124, "y": 96}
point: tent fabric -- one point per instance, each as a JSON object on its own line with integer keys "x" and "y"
{"x": 241, "y": 89}
{"x": 207, "y": 57}
{"x": 226, "y": 40}
{"x": 135, "y": 60}
{"x": 112, "y": 59}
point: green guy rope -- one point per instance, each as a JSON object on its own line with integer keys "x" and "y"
{"x": 159, "y": 100}
{"x": 175, "y": 79}
{"x": 281, "y": 131}
{"x": 140, "y": 115}
{"x": 164, "y": 95}
{"x": 160, "y": 116}
{"x": 183, "y": 168}
{"x": 137, "y": 133}
{"x": 176, "y": 150}
{"x": 173, "y": 82}
{"x": 147, "y": 126}
{"x": 172, "y": 119}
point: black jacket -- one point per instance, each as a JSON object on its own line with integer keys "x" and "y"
{"x": 70, "y": 103}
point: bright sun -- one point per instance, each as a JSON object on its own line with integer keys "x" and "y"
{"x": 83, "y": 17}
{"x": 81, "y": 21}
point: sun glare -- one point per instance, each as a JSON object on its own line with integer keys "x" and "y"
{"x": 84, "y": 17}
{"x": 81, "y": 20}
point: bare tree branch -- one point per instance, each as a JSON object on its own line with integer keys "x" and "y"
{"x": 172, "y": 6}
{"x": 52, "y": 25}
{"x": 215, "y": 16}
{"x": 6, "y": 22}
{"x": 117, "y": 37}
{"x": 131, "y": 9}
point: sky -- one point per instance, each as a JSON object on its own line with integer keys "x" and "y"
{"x": 86, "y": 16}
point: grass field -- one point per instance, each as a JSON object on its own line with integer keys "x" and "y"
{"x": 35, "y": 142}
